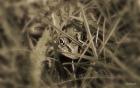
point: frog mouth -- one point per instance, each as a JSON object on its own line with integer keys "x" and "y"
{"x": 70, "y": 52}
{"x": 70, "y": 55}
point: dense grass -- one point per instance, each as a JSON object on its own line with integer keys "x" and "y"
{"x": 30, "y": 56}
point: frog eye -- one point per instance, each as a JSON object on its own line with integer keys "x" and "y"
{"x": 61, "y": 41}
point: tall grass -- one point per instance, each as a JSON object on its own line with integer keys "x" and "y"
{"x": 109, "y": 54}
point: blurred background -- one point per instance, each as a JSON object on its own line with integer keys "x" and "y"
{"x": 113, "y": 62}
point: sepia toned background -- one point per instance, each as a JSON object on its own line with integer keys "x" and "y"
{"x": 31, "y": 57}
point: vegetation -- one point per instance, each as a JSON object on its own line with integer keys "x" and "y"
{"x": 69, "y": 43}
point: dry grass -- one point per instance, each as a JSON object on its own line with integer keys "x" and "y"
{"x": 109, "y": 54}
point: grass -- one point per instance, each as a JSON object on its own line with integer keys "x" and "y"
{"x": 108, "y": 50}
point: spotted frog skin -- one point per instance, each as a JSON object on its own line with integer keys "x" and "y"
{"x": 68, "y": 47}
